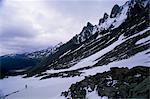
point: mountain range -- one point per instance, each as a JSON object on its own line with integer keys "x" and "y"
{"x": 119, "y": 44}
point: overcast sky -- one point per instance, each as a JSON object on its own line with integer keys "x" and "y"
{"x": 29, "y": 25}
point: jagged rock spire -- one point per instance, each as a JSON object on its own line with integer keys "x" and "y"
{"x": 89, "y": 24}
{"x": 102, "y": 20}
{"x": 115, "y": 10}
{"x": 105, "y": 16}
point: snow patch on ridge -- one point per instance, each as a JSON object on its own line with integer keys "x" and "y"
{"x": 140, "y": 59}
{"x": 89, "y": 61}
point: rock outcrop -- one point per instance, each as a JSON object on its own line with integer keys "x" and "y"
{"x": 115, "y": 10}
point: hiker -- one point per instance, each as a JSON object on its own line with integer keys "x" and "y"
{"x": 25, "y": 86}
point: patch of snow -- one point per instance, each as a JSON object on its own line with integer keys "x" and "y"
{"x": 121, "y": 17}
{"x": 94, "y": 95}
{"x": 146, "y": 2}
{"x": 141, "y": 23}
{"x": 77, "y": 48}
{"x": 95, "y": 28}
{"x": 117, "y": 21}
{"x": 65, "y": 54}
{"x": 106, "y": 24}
{"x": 114, "y": 82}
{"x": 143, "y": 40}
{"x": 139, "y": 59}
{"x": 99, "y": 36}
{"x": 109, "y": 78}
{"x": 20, "y": 70}
{"x": 89, "y": 61}
{"x": 139, "y": 33}
{"x": 137, "y": 75}
{"x": 133, "y": 27}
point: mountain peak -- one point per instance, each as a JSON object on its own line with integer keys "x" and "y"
{"x": 89, "y": 24}
{"x": 105, "y": 16}
{"x": 102, "y": 20}
{"x": 115, "y": 10}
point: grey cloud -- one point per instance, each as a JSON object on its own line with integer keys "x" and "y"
{"x": 12, "y": 32}
{"x": 85, "y": 10}
{"x": 18, "y": 34}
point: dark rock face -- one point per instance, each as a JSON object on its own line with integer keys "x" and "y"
{"x": 87, "y": 31}
{"x": 115, "y": 10}
{"x": 102, "y": 20}
{"x": 85, "y": 34}
{"x": 105, "y": 16}
{"x": 116, "y": 83}
{"x": 89, "y": 25}
{"x": 12, "y": 63}
{"x": 137, "y": 6}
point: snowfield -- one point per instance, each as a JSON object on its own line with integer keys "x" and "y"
{"x": 37, "y": 89}
{"x": 52, "y": 88}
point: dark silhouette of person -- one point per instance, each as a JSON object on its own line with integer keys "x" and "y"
{"x": 25, "y": 86}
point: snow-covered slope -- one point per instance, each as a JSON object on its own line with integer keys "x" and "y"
{"x": 45, "y": 89}
{"x": 121, "y": 39}
{"x": 91, "y": 60}
{"x": 52, "y": 88}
